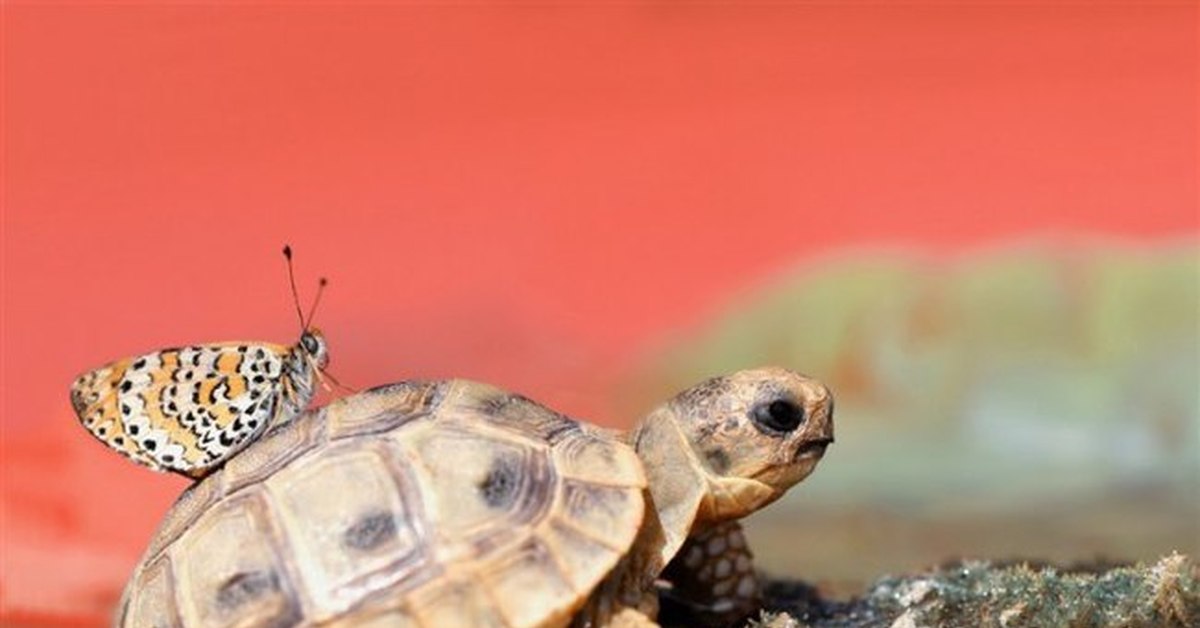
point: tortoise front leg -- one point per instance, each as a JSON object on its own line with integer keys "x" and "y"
{"x": 711, "y": 581}
{"x": 629, "y": 618}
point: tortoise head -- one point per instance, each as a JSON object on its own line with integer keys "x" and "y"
{"x": 731, "y": 445}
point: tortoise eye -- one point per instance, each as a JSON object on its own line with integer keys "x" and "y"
{"x": 777, "y": 417}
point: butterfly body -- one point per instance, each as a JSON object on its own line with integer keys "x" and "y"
{"x": 188, "y": 409}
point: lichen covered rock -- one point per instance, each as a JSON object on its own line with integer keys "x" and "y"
{"x": 1164, "y": 594}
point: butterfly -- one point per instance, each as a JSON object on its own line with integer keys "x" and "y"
{"x": 189, "y": 409}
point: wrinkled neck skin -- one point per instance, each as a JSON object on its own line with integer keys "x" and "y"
{"x": 675, "y": 482}
{"x": 298, "y": 386}
{"x": 685, "y": 494}
{"x": 682, "y": 497}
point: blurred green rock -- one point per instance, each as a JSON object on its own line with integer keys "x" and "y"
{"x": 1012, "y": 375}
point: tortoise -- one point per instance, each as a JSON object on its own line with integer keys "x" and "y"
{"x": 455, "y": 503}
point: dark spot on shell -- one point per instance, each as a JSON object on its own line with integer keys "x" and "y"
{"x": 133, "y": 429}
{"x": 370, "y": 531}
{"x": 149, "y": 445}
{"x": 125, "y": 409}
{"x": 245, "y": 587}
{"x": 140, "y": 363}
{"x": 126, "y": 385}
{"x": 499, "y": 488}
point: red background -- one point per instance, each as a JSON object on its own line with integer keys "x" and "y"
{"x": 531, "y": 196}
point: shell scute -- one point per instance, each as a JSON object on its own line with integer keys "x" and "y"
{"x": 456, "y": 602}
{"x": 153, "y": 600}
{"x": 242, "y": 579}
{"x": 390, "y": 618}
{"x": 605, "y": 514}
{"x": 577, "y": 554}
{"x": 480, "y": 492}
{"x": 528, "y": 588}
{"x": 512, "y": 412}
{"x": 193, "y": 503}
{"x": 345, "y": 541}
{"x": 384, "y": 408}
{"x": 277, "y": 448}
{"x": 590, "y": 456}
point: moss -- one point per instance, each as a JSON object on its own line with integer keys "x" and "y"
{"x": 1164, "y": 594}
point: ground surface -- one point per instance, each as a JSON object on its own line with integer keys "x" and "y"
{"x": 1162, "y": 595}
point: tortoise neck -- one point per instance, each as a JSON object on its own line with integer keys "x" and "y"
{"x": 676, "y": 481}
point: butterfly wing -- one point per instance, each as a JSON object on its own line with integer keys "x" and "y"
{"x": 96, "y": 401}
{"x": 185, "y": 409}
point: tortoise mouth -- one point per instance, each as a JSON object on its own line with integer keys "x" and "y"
{"x": 814, "y": 448}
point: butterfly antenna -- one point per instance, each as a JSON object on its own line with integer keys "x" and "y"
{"x": 313, "y": 310}
{"x": 287, "y": 253}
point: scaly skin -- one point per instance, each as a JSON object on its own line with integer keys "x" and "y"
{"x": 712, "y": 582}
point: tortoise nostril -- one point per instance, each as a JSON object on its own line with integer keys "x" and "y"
{"x": 816, "y": 447}
{"x": 778, "y": 416}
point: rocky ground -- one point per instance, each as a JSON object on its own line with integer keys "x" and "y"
{"x": 968, "y": 594}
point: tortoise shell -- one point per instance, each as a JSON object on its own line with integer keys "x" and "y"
{"x": 431, "y": 504}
